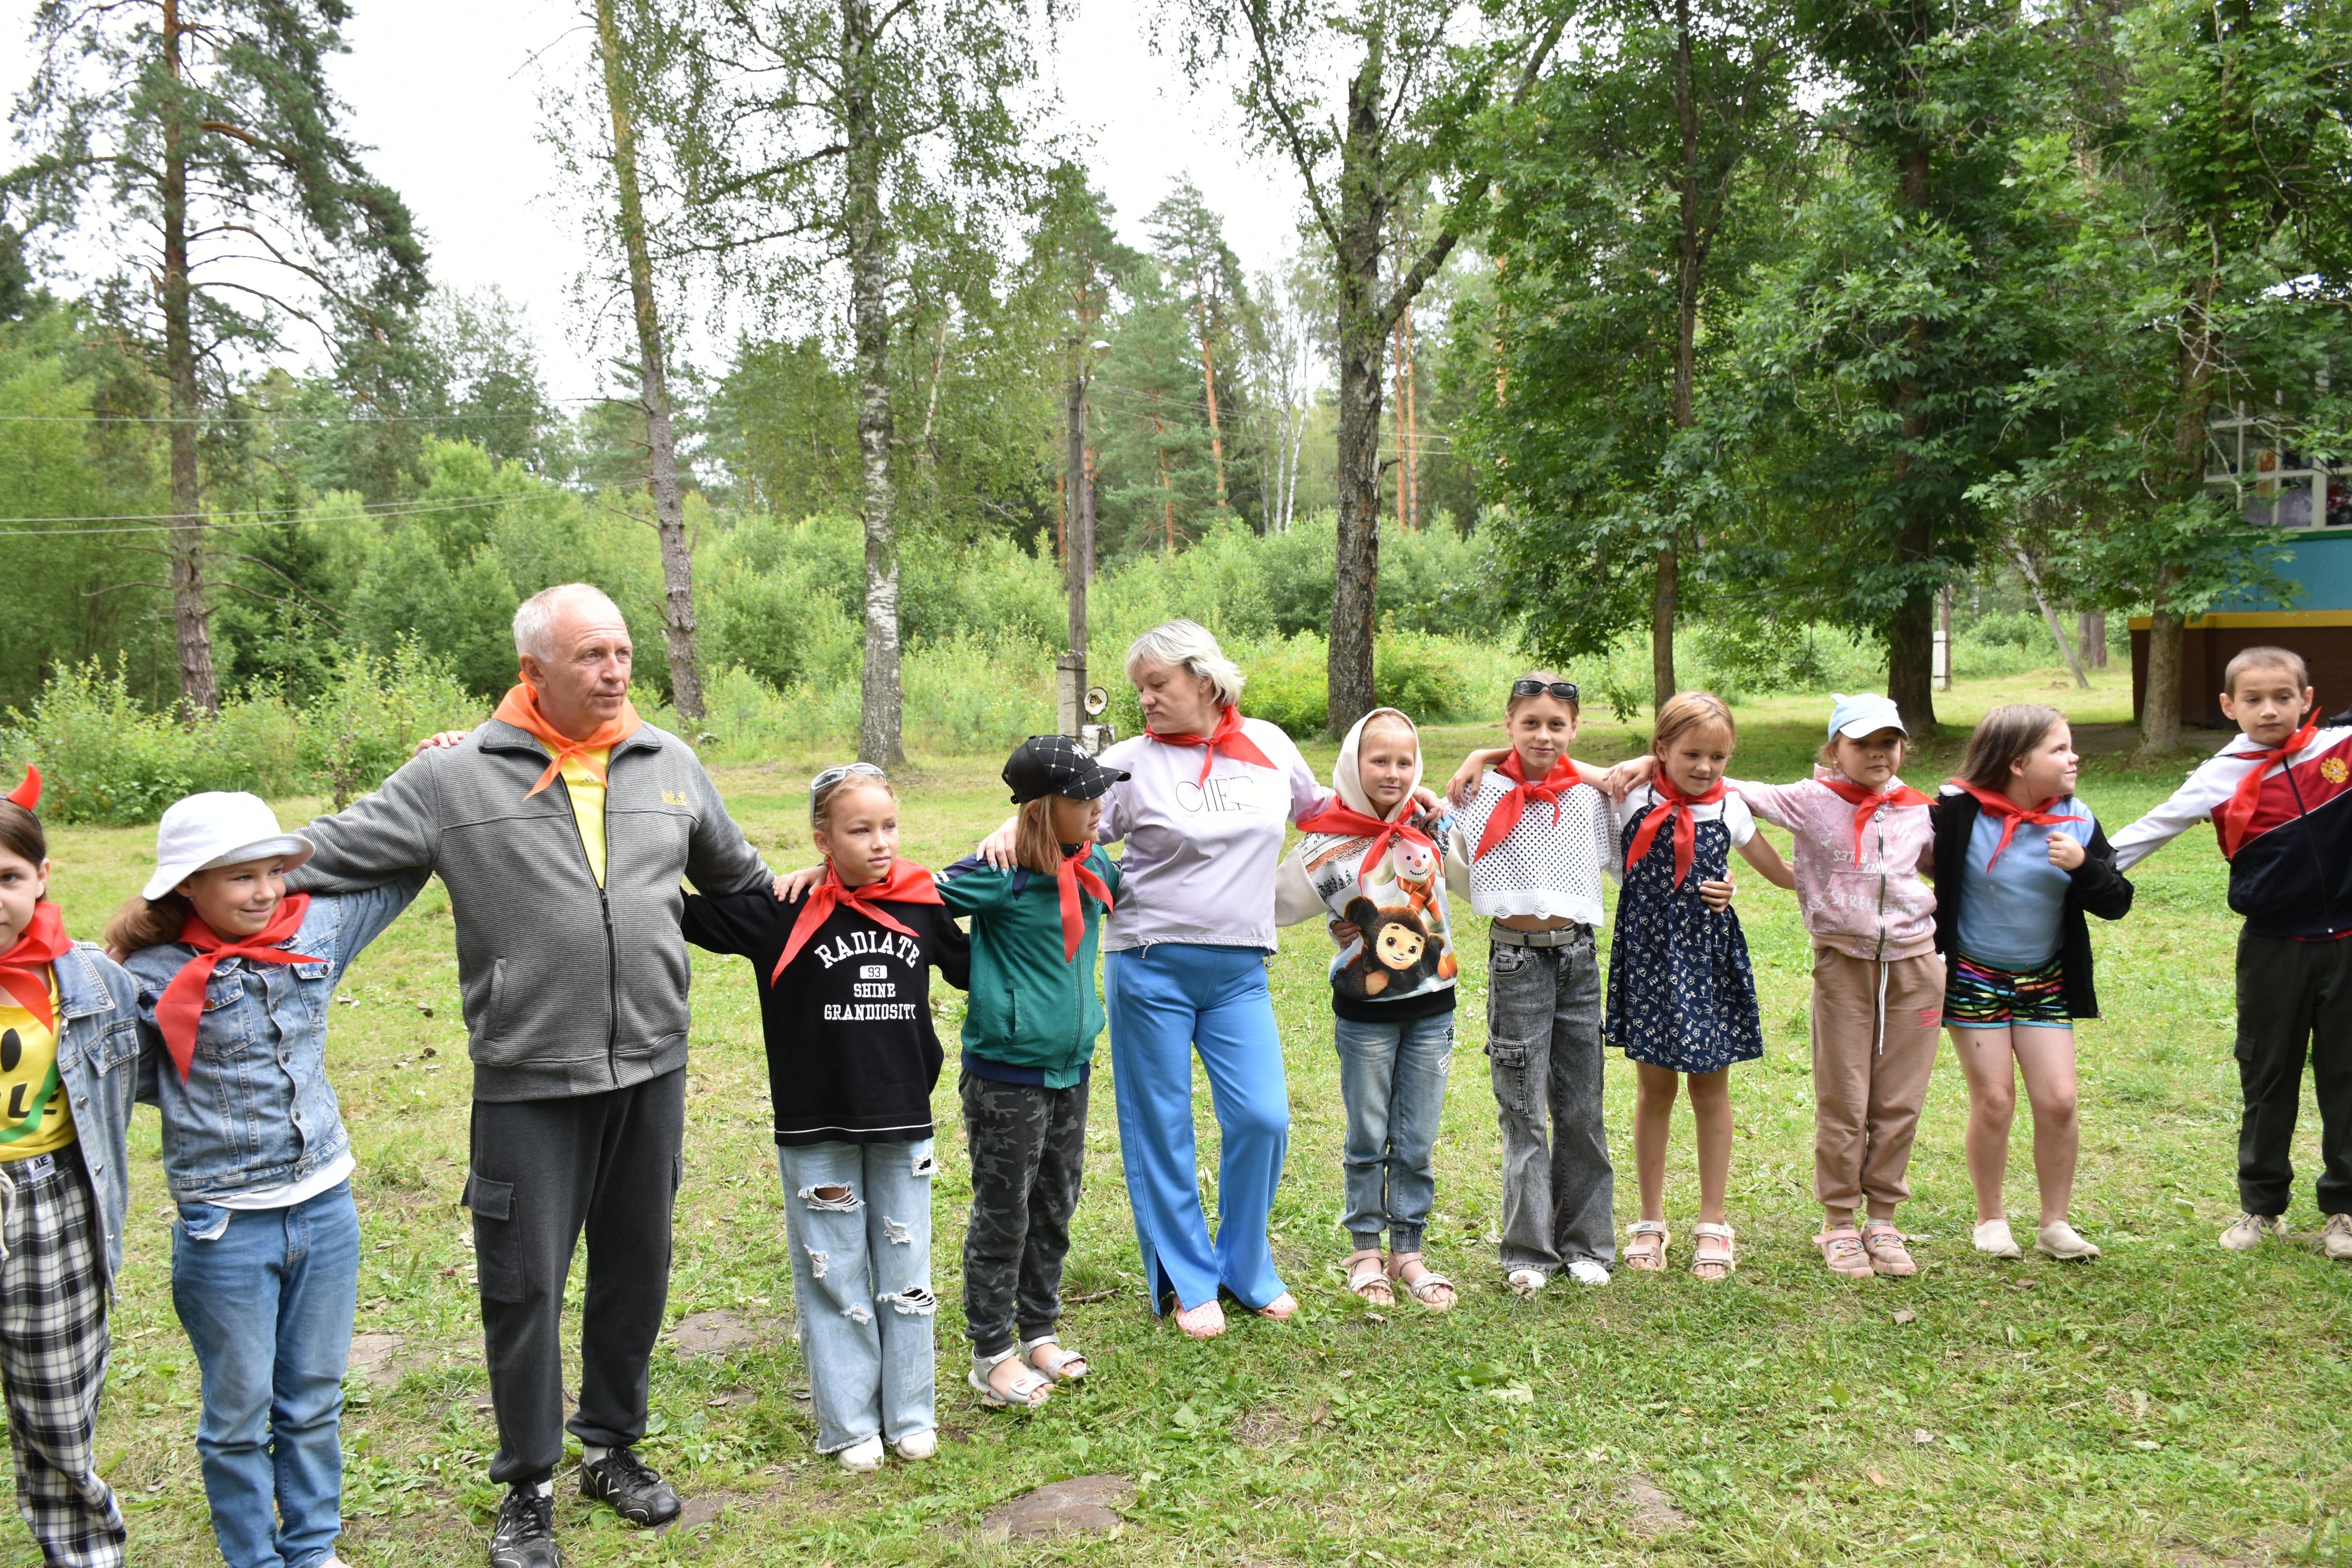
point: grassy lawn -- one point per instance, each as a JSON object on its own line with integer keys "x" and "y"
{"x": 2167, "y": 1404}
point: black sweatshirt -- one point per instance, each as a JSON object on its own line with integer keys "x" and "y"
{"x": 852, "y": 1055}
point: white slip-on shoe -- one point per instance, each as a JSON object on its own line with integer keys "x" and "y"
{"x": 2064, "y": 1243}
{"x": 2336, "y": 1241}
{"x": 1528, "y": 1281}
{"x": 2246, "y": 1232}
{"x": 864, "y": 1458}
{"x": 1992, "y": 1239}
{"x": 1585, "y": 1271}
{"x": 919, "y": 1444}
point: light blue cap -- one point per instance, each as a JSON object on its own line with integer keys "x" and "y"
{"x": 1855, "y": 716}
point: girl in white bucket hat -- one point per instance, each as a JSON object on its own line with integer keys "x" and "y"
{"x": 235, "y": 980}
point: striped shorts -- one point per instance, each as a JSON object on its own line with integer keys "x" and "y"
{"x": 1980, "y": 996}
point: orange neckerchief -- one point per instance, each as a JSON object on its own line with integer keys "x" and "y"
{"x": 908, "y": 883}
{"x": 1072, "y": 876}
{"x": 1512, "y": 806}
{"x": 182, "y": 1006}
{"x": 2236, "y": 814}
{"x": 2011, "y": 814}
{"x": 1227, "y": 737}
{"x": 44, "y": 941}
{"x": 1344, "y": 821}
{"x": 1676, "y": 809}
{"x": 1864, "y": 803}
{"x": 519, "y": 708}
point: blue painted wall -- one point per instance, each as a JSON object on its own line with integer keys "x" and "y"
{"x": 2321, "y": 563}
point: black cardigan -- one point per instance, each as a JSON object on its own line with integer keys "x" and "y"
{"x": 2096, "y": 887}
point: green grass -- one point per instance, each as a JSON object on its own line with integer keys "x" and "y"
{"x": 2169, "y": 1405}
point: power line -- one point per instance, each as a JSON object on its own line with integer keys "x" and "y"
{"x": 275, "y": 418}
{"x": 275, "y": 517}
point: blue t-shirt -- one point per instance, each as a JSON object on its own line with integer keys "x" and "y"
{"x": 2009, "y": 917}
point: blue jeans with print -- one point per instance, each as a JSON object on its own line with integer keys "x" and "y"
{"x": 267, "y": 1297}
{"x": 1393, "y": 1081}
{"x": 859, "y": 1218}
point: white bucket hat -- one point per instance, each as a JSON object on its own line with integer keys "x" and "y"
{"x": 218, "y": 827}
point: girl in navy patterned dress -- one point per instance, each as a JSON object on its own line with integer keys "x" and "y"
{"x": 1682, "y": 996}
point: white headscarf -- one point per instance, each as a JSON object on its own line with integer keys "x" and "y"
{"x": 1346, "y": 775}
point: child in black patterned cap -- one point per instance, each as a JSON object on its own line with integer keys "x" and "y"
{"x": 1028, "y": 1051}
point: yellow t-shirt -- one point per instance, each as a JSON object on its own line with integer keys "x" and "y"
{"x": 588, "y": 805}
{"x": 33, "y": 1116}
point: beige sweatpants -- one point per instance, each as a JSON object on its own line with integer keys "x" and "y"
{"x": 1866, "y": 1097}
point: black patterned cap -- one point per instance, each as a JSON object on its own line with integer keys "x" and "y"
{"x": 1056, "y": 764}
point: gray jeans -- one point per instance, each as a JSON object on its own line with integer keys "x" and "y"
{"x": 1543, "y": 1035}
{"x": 1028, "y": 1161}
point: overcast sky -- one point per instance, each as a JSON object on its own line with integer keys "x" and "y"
{"x": 445, "y": 92}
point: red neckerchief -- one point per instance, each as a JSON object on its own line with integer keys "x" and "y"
{"x": 44, "y": 941}
{"x": 1676, "y": 809}
{"x": 1227, "y": 737}
{"x": 1072, "y": 876}
{"x": 1509, "y": 810}
{"x": 1864, "y": 803}
{"x": 908, "y": 883}
{"x": 519, "y": 708}
{"x": 181, "y": 1007}
{"x": 2235, "y": 815}
{"x": 2011, "y": 814}
{"x": 1342, "y": 821}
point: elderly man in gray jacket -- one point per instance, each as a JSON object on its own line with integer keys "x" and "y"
{"x": 562, "y": 828}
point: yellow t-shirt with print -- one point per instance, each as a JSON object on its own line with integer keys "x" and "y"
{"x": 33, "y": 1116}
{"x": 587, "y": 793}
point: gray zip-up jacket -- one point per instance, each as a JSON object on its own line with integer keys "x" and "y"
{"x": 569, "y": 988}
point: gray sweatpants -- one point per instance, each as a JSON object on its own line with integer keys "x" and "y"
{"x": 1543, "y": 1036}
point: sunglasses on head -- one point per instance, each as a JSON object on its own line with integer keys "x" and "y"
{"x": 1566, "y": 690}
{"x": 832, "y": 776}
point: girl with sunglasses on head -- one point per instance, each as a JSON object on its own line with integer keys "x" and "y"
{"x": 844, "y": 963}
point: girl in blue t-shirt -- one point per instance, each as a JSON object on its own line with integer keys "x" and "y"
{"x": 2019, "y": 859}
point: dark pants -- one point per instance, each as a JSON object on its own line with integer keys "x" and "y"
{"x": 1543, "y": 1035}
{"x": 544, "y": 1170}
{"x": 2294, "y": 996}
{"x": 1028, "y": 1156}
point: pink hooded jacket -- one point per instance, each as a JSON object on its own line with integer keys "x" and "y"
{"x": 1875, "y": 907}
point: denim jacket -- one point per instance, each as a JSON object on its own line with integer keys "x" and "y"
{"x": 98, "y": 1062}
{"x": 256, "y": 1111}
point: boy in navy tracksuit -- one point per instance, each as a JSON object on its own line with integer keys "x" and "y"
{"x": 2280, "y": 797}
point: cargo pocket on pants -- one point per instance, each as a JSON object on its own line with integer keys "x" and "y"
{"x": 497, "y": 1249}
{"x": 1510, "y": 1065}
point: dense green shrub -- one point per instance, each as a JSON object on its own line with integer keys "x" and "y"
{"x": 371, "y": 713}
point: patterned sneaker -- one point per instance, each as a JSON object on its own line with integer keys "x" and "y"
{"x": 2246, "y": 1232}
{"x": 1841, "y": 1250}
{"x": 2336, "y": 1241}
{"x": 525, "y": 1534}
{"x": 637, "y": 1493}
{"x": 1887, "y": 1253}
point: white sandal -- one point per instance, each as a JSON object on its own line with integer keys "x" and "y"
{"x": 1714, "y": 1251}
{"x": 1368, "y": 1278}
{"x": 1423, "y": 1288}
{"x": 1059, "y": 1365}
{"x": 1029, "y": 1390}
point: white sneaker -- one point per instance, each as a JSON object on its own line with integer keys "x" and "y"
{"x": 1528, "y": 1281}
{"x": 1585, "y": 1271}
{"x": 1992, "y": 1239}
{"x": 2064, "y": 1243}
{"x": 864, "y": 1458}
{"x": 919, "y": 1444}
{"x": 2336, "y": 1241}
{"x": 2246, "y": 1232}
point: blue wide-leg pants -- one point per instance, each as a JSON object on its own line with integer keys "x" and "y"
{"x": 1165, "y": 1002}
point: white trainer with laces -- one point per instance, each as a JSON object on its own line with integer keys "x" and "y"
{"x": 1585, "y": 1271}
{"x": 2336, "y": 1241}
{"x": 2246, "y": 1232}
{"x": 863, "y": 1458}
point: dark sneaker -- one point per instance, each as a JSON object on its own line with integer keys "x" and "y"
{"x": 637, "y": 1493}
{"x": 525, "y": 1536}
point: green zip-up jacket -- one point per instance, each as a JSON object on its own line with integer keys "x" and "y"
{"x": 1032, "y": 1011}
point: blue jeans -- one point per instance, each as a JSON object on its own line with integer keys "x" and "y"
{"x": 267, "y": 1302}
{"x": 1166, "y": 1001}
{"x": 1393, "y": 1081}
{"x": 862, "y": 1285}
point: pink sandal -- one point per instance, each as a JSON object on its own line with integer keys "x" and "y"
{"x": 1645, "y": 1246}
{"x": 1280, "y": 1310}
{"x": 1205, "y": 1321}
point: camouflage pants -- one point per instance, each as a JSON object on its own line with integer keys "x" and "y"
{"x": 1028, "y": 1156}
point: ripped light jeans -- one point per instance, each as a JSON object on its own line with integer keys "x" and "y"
{"x": 862, "y": 1286}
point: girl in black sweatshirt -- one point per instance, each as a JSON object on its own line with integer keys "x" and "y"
{"x": 852, "y": 1059}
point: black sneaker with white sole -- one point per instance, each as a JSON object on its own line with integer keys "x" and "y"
{"x": 525, "y": 1536}
{"x": 636, "y": 1492}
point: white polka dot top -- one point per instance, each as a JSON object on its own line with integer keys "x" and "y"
{"x": 1542, "y": 868}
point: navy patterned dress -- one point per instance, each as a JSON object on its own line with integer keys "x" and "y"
{"x": 1682, "y": 994}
